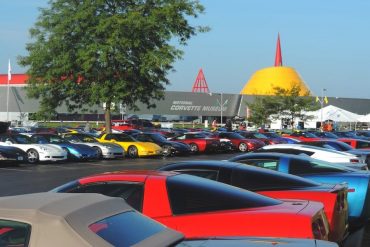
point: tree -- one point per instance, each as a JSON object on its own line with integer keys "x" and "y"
{"x": 286, "y": 103}
{"x": 261, "y": 108}
{"x": 90, "y": 52}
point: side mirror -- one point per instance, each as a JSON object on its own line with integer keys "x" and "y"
{"x": 113, "y": 140}
{"x": 8, "y": 142}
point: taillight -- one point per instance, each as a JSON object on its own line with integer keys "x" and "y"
{"x": 341, "y": 201}
{"x": 319, "y": 229}
{"x": 354, "y": 161}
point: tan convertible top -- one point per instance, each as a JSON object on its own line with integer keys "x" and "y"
{"x": 62, "y": 219}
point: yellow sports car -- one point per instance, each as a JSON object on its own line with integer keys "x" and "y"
{"x": 132, "y": 147}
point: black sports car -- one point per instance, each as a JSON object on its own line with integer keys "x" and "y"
{"x": 12, "y": 155}
{"x": 169, "y": 147}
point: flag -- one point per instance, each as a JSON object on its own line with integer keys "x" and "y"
{"x": 326, "y": 100}
{"x": 317, "y": 99}
{"x": 9, "y": 71}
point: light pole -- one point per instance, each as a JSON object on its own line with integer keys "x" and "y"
{"x": 221, "y": 103}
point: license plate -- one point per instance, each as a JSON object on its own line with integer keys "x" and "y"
{"x": 20, "y": 158}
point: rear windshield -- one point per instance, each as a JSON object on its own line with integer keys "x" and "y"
{"x": 262, "y": 179}
{"x": 13, "y": 233}
{"x": 126, "y": 229}
{"x": 191, "y": 194}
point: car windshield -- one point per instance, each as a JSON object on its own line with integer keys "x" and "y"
{"x": 86, "y": 138}
{"x": 158, "y": 137}
{"x": 124, "y": 138}
{"x": 271, "y": 134}
{"x": 21, "y": 139}
{"x": 126, "y": 229}
{"x": 232, "y": 136}
{"x": 50, "y": 138}
{"x": 259, "y": 135}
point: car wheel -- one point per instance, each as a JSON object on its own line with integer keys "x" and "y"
{"x": 132, "y": 152}
{"x": 167, "y": 150}
{"x": 32, "y": 156}
{"x": 194, "y": 147}
{"x": 99, "y": 152}
{"x": 243, "y": 147}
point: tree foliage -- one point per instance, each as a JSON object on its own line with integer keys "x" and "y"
{"x": 286, "y": 103}
{"x": 86, "y": 52}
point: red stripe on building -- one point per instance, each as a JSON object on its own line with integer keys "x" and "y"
{"x": 17, "y": 79}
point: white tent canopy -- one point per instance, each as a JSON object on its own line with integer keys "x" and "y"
{"x": 334, "y": 113}
{"x": 365, "y": 118}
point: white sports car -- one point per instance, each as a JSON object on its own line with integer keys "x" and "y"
{"x": 35, "y": 152}
{"x": 105, "y": 150}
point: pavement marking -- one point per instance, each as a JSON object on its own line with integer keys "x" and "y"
{"x": 14, "y": 169}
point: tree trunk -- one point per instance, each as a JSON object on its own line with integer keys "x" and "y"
{"x": 107, "y": 116}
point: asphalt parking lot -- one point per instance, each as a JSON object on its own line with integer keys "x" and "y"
{"x": 45, "y": 176}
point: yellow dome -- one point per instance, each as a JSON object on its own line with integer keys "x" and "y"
{"x": 265, "y": 80}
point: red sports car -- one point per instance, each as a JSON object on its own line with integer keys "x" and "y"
{"x": 276, "y": 185}
{"x": 303, "y": 136}
{"x": 356, "y": 143}
{"x": 260, "y": 137}
{"x": 199, "y": 142}
{"x": 243, "y": 144}
{"x": 200, "y": 207}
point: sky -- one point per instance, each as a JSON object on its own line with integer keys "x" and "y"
{"x": 327, "y": 42}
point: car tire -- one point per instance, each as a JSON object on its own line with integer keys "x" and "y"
{"x": 194, "y": 148}
{"x": 167, "y": 151}
{"x": 132, "y": 152}
{"x": 99, "y": 152}
{"x": 32, "y": 156}
{"x": 243, "y": 147}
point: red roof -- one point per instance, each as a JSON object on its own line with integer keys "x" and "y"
{"x": 16, "y": 79}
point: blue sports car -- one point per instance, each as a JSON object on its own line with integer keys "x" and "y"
{"x": 75, "y": 151}
{"x": 320, "y": 171}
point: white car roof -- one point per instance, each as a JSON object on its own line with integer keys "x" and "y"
{"x": 307, "y": 148}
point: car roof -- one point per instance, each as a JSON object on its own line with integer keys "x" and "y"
{"x": 64, "y": 216}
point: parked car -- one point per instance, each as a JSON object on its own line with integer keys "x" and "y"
{"x": 198, "y": 142}
{"x": 342, "y": 146}
{"x": 169, "y": 148}
{"x": 128, "y": 124}
{"x": 12, "y": 155}
{"x": 200, "y": 207}
{"x": 314, "y": 152}
{"x": 101, "y": 221}
{"x": 276, "y": 137}
{"x": 35, "y": 152}
{"x": 60, "y": 219}
{"x": 260, "y": 137}
{"x": 347, "y": 134}
{"x": 275, "y": 184}
{"x": 303, "y": 136}
{"x": 243, "y": 144}
{"x": 74, "y": 151}
{"x": 356, "y": 143}
{"x": 322, "y": 172}
{"x": 325, "y": 134}
{"x": 133, "y": 148}
{"x": 103, "y": 150}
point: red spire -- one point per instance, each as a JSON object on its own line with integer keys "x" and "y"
{"x": 200, "y": 84}
{"x": 278, "y": 57}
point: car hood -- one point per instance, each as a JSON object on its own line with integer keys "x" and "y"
{"x": 78, "y": 147}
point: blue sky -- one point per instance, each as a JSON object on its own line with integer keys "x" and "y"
{"x": 327, "y": 42}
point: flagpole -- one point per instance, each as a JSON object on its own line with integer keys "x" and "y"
{"x": 7, "y": 92}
